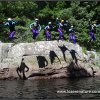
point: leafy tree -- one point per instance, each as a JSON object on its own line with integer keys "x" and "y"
{"x": 77, "y": 12}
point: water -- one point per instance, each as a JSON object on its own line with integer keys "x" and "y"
{"x": 47, "y": 89}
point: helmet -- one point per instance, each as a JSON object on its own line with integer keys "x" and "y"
{"x": 49, "y": 23}
{"x": 36, "y": 19}
{"x": 62, "y": 21}
{"x": 9, "y": 19}
{"x": 67, "y": 21}
{"x": 35, "y": 24}
{"x": 72, "y": 26}
{"x": 94, "y": 24}
{"x": 57, "y": 18}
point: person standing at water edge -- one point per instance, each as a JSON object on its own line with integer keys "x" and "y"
{"x": 35, "y": 28}
{"x": 11, "y": 23}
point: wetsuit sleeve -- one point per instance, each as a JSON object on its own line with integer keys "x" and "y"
{"x": 39, "y": 27}
{"x": 70, "y": 30}
{"x": 89, "y": 26}
{"x": 46, "y": 27}
{"x": 31, "y": 25}
{"x": 14, "y": 22}
{"x": 98, "y": 25}
{"x": 74, "y": 30}
{"x": 59, "y": 25}
{"x": 6, "y": 24}
{"x": 53, "y": 27}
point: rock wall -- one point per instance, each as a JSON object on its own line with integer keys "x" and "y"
{"x": 46, "y": 59}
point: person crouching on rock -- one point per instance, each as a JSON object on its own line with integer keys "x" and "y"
{"x": 11, "y": 23}
{"x": 35, "y": 28}
{"x": 48, "y": 30}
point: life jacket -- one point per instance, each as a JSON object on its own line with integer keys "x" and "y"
{"x": 36, "y": 25}
{"x": 71, "y": 30}
{"x": 48, "y": 28}
{"x": 61, "y": 25}
{"x": 92, "y": 28}
{"x": 11, "y": 25}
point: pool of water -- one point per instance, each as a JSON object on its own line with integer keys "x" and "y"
{"x": 47, "y": 89}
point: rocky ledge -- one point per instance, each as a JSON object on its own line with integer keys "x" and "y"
{"x": 47, "y": 59}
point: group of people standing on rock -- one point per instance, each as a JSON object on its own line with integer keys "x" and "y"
{"x": 60, "y": 26}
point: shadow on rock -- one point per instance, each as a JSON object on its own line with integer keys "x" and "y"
{"x": 75, "y": 71}
{"x": 42, "y": 74}
{"x": 63, "y": 49}
{"x": 73, "y": 54}
{"x": 52, "y": 56}
{"x": 42, "y": 62}
{"x": 21, "y": 70}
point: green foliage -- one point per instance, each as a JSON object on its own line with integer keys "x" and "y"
{"x": 92, "y": 55}
{"x": 77, "y": 12}
{"x": 41, "y": 36}
{"x": 45, "y": 12}
{"x": 23, "y": 34}
{"x": 84, "y": 50}
{"x": 65, "y": 13}
{"x": 60, "y": 5}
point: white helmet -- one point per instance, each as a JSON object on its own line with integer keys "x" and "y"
{"x": 49, "y": 23}
{"x": 9, "y": 19}
{"x": 94, "y": 24}
{"x": 57, "y": 18}
{"x": 36, "y": 19}
{"x": 66, "y": 20}
{"x": 72, "y": 26}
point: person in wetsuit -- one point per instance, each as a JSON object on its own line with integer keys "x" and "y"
{"x": 35, "y": 28}
{"x": 72, "y": 36}
{"x": 48, "y": 30}
{"x": 11, "y": 24}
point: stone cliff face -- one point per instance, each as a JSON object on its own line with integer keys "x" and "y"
{"x": 46, "y": 59}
